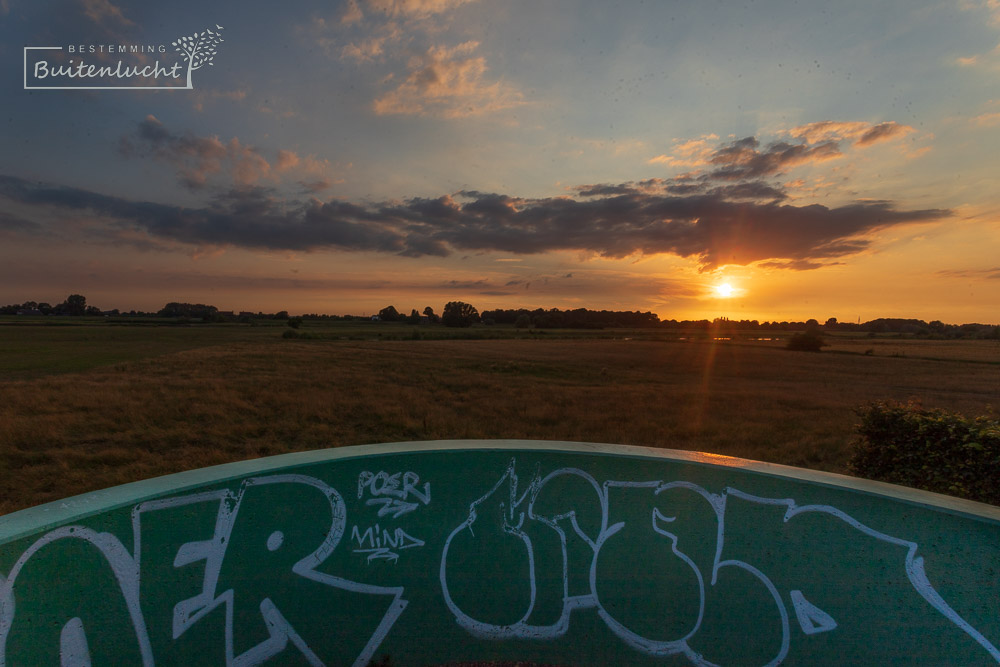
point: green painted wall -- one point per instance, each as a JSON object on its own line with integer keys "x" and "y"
{"x": 547, "y": 553}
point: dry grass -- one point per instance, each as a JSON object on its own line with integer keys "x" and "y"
{"x": 967, "y": 350}
{"x": 66, "y": 434}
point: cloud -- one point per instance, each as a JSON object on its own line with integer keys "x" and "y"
{"x": 374, "y": 46}
{"x": 201, "y": 96}
{"x": 365, "y": 50}
{"x": 196, "y": 159}
{"x": 690, "y": 153}
{"x": 741, "y": 159}
{"x": 883, "y": 132}
{"x": 989, "y": 119}
{"x": 448, "y": 82}
{"x": 13, "y": 223}
{"x": 856, "y": 132}
{"x": 103, "y": 12}
{"x": 976, "y": 274}
{"x": 414, "y": 9}
{"x": 747, "y": 159}
{"x": 714, "y": 228}
{"x": 991, "y": 7}
{"x": 757, "y": 190}
{"x": 352, "y": 13}
{"x": 797, "y": 265}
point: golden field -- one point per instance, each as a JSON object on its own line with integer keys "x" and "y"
{"x": 83, "y": 408}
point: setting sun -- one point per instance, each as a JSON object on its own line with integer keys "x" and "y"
{"x": 724, "y": 291}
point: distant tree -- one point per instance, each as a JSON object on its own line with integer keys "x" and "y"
{"x": 523, "y": 321}
{"x": 295, "y": 322}
{"x": 190, "y": 311}
{"x": 459, "y": 314}
{"x": 807, "y": 341}
{"x": 389, "y": 314}
{"x": 75, "y": 304}
{"x": 429, "y": 314}
{"x": 45, "y": 308}
{"x": 281, "y": 315}
{"x": 93, "y": 311}
{"x": 831, "y": 323}
{"x": 414, "y": 317}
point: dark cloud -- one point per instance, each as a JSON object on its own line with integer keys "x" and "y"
{"x": 604, "y": 190}
{"x": 797, "y": 265}
{"x": 747, "y": 190}
{"x": 883, "y": 132}
{"x": 976, "y": 274}
{"x": 12, "y": 223}
{"x": 194, "y": 158}
{"x": 204, "y": 162}
{"x": 752, "y": 190}
{"x": 741, "y": 159}
{"x": 312, "y": 187}
{"x": 716, "y": 227}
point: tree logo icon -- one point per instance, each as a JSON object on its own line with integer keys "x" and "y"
{"x": 199, "y": 49}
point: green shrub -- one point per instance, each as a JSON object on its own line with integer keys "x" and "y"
{"x": 934, "y": 450}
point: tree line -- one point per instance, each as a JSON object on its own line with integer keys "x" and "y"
{"x": 461, "y": 314}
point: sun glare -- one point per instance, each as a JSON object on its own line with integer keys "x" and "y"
{"x": 724, "y": 290}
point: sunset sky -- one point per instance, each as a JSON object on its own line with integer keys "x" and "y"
{"x": 822, "y": 159}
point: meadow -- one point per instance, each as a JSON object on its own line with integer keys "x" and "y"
{"x": 91, "y": 405}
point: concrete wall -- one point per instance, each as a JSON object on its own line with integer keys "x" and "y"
{"x": 540, "y": 552}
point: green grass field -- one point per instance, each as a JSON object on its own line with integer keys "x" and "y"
{"x": 88, "y": 406}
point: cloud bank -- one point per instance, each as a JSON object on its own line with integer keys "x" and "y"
{"x": 711, "y": 227}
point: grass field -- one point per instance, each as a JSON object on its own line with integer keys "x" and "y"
{"x": 86, "y": 407}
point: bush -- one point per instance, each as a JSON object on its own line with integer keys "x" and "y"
{"x": 807, "y": 341}
{"x": 934, "y": 450}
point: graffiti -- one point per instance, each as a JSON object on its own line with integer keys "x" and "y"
{"x": 391, "y": 493}
{"x": 574, "y": 558}
{"x": 232, "y": 546}
{"x": 513, "y": 521}
{"x": 379, "y": 543}
{"x": 394, "y": 492}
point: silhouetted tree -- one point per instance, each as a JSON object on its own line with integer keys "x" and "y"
{"x": 389, "y": 314}
{"x": 459, "y": 314}
{"x": 429, "y": 314}
{"x": 75, "y": 304}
